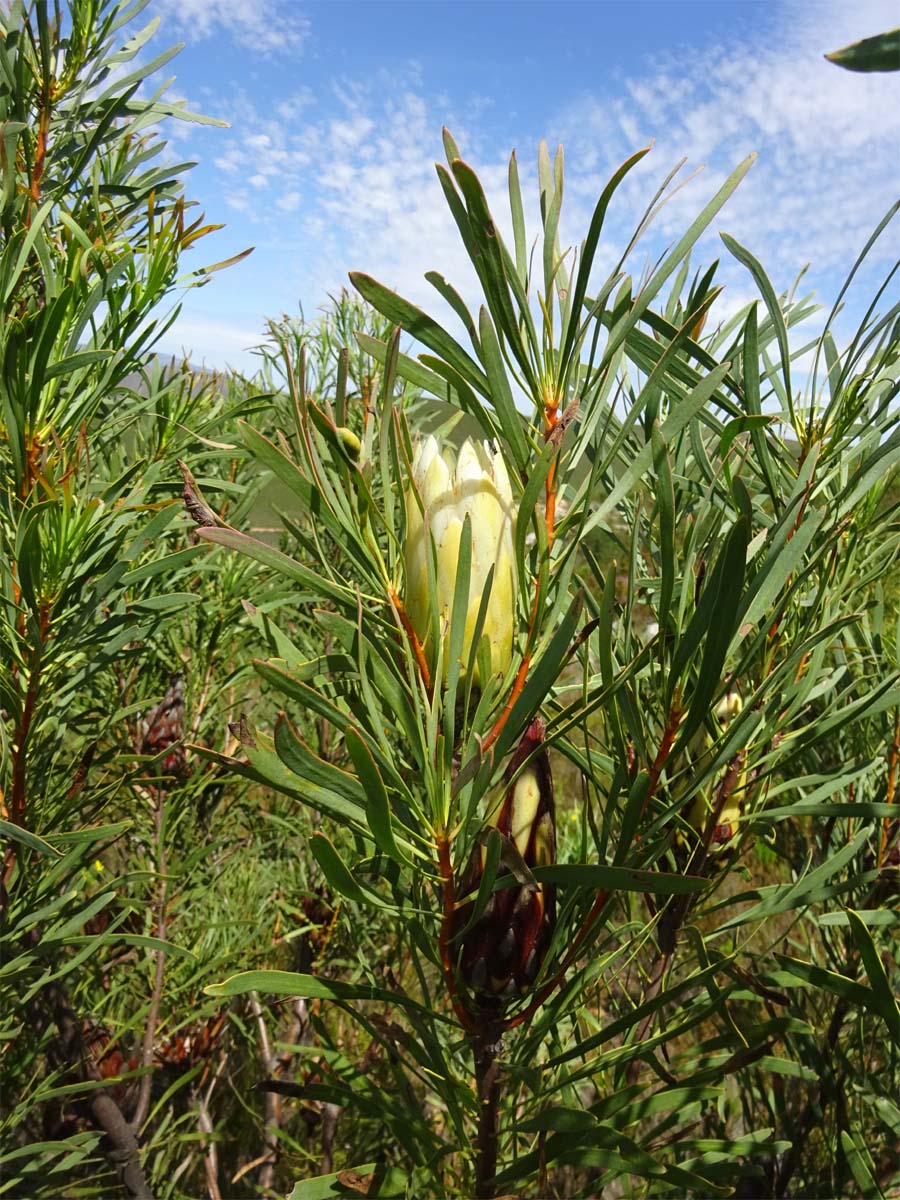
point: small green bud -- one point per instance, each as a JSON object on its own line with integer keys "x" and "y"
{"x": 350, "y": 442}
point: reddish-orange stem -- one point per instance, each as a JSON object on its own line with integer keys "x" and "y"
{"x": 586, "y": 926}
{"x": 517, "y": 686}
{"x": 550, "y": 510}
{"x": 662, "y": 754}
{"x": 414, "y": 642}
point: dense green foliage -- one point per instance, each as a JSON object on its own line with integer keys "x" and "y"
{"x": 230, "y": 945}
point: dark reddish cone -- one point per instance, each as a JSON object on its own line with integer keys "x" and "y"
{"x": 163, "y": 727}
{"x": 502, "y": 953}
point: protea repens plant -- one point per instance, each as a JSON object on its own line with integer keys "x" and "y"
{"x": 501, "y": 953}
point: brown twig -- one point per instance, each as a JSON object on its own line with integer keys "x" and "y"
{"x": 662, "y": 755}
{"x": 205, "y": 1125}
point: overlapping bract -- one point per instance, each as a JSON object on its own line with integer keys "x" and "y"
{"x": 503, "y": 951}
{"x": 474, "y": 484}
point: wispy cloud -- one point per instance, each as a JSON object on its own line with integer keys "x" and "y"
{"x": 260, "y": 26}
{"x": 352, "y": 184}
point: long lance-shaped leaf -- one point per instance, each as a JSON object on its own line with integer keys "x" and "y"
{"x": 542, "y": 675}
{"x": 776, "y": 315}
{"x": 449, "y": 293}
{"x": 677, "y": 420}
{"x": 750, "y": 360}
{"x": 263, "y": 553}
{"x": 339, "y": 875}
{"x": 878, "y": 53}
{"x": 849, "y": 990}
{"x": 672, "y": 260}
{"x": 421, "y": 327}
{"x": 665, "y": 503}
{"x": 501, "y": 393}
{"x": 378, "y": 806}
{"x": 588, "y": 253}
{"x": 878, "y": 980}
{"x": 409, "y": 369}
{"x": 518, "y": 220}
{"x": 313, "y": 987}
{"x": 497, "y": 285}
{"x": 806, "y": 890}
{"x": 617, "y": 879}
{"x": 729, "y": 579}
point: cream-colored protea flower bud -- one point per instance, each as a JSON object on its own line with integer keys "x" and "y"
{"x": 475, "y": 484}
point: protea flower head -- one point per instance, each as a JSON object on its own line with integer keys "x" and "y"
{"x": 503, "y": 951}
{"x": 473, "y": 484}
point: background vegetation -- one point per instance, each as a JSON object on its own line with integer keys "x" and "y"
{"x": 228, "y": 965}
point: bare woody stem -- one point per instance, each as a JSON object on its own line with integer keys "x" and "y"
{"x": 266, "y": 1179}
{"x": 487, "y": 1083}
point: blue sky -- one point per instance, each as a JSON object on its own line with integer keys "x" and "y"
{"x": 335, "y": 113}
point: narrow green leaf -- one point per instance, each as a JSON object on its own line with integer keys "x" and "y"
{"x": 378, "y": 807}
{"x": 878, "y": 979}
{"x": 263, "y": 553}
{"x": 665, "y": 501}
{"x": 420, "y": 326}
{"x": 776, "y": 314}
{"x": 619, "y": 879}
{"x": 500, "y": 392}
{"x": 339, "y": 875}
{"x": 312, "y": 987}
{"x": 9, "y": 829}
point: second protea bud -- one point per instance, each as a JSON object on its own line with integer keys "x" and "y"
{"x": 502, "y": 953}
{"x": 450, "y": 488}
{"x": 698, "y": 813}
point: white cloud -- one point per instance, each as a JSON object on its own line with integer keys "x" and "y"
{"x": 362, "y": 159}
{"x": 262, "y": 26}
{"x": 289, "y": 202}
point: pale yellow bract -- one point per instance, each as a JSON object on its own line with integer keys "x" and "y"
{"x": 450, "y": 487}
